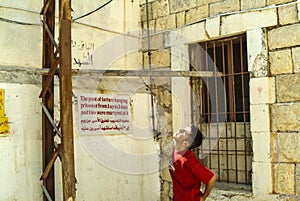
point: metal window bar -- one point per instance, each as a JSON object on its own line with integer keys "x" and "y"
{"x": 231, "y": 157}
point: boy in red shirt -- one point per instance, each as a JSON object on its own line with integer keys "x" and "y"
{"x": 186, "y": 171}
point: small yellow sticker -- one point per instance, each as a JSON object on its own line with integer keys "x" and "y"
{"x": 4, "y": 126}
{"x": 2, "y": 111}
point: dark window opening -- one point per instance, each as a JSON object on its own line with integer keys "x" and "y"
{"x": 220, "y": 106}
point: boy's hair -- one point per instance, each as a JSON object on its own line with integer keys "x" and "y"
{"x": 196, "y": 137}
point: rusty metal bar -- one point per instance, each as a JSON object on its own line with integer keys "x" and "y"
{"x": 50, "y": 34}
{"x": 66, "y": 114}
{"x": 217, "y": 109}
{"x": 225, "y": 110}
{"x": 234, "y": 114}
{"x": 46, "y": 193}
{"x": 48, "y": 101}
{"x": 244, "y": 109}
{"x": 208, "y": 102}
{"x": 49, "y": 116}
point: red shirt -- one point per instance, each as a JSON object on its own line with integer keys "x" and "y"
{"x": 187, "y": 174}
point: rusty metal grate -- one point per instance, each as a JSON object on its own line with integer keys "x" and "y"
{"x": 220, "y": 106}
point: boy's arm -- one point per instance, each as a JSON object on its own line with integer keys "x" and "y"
{"x": 208, "y": 188}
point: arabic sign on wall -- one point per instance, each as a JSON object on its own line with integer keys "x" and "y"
{"x": 103, "y": 113}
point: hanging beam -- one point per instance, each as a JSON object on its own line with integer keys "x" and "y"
{"x": 48, "y": 100}
{"x": 66, "y": 114}
{"x": 135, "y": 73}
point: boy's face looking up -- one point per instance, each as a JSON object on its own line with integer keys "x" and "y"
{"x": 182, "y": 136}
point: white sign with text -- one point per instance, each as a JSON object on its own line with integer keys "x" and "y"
{"x": 103, "y": 113}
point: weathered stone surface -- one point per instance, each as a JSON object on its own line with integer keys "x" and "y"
{"x": 144, "y": 13}
{"x": 283, "y": 175}
{"x": 262, "y": 90}
{"x": 204, "y": 2}
{"x": 260, "y": 118}
{"x": 212, "y": 27}
{"x": 288, "y": 198}
{"x": 273, "y": 147}
{"x": 224, "y": 7}
{"x": 285, "y": 117}
{"x": 296, "y": 59}
{"x": 261, "y": 146}
{"x": 281, "y": 62}
{"x": 165, "y": 23}
{"x": 288, "y": 147}
{"x": 286, "y": 88}
{"x": 257, "y": 53}
{"x": 166, "y": 174}
{"x": 271, "y": 2}
{"x": 248, "y": 4}
{"x": 288, "y": 14}
{"x": 160, "y": 8}
{"x": 240, "y": 22}
{"x": 286, "y": 36}
{"x": 159, "y": 58}
{"x": 21, "y": 75}
{"x": 180, "y": 19}
{"x": 179, "y": 5}
{"x": 298, "y": 179}
{"x": 261, "y": 179}
{"x": 165, "y": 191}
{"x": 196, "y": 14}
{"x": 156, "y": 42}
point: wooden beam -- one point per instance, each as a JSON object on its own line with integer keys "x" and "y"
{"x": 51, "y": 162}
{"x": 49, "y": 78}
{"x": 66, "y": 114}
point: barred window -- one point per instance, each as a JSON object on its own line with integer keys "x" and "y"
{"x": 220, "y": 107}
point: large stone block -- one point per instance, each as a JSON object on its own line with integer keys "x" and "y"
{"x": 196, "y": 14}
{"x": 286, "y": 36}
{"x": 288, "y": 147}
{"x": 281, "y": 62}
{"x": 296, "y": 59}
{"x": 283, "y": 178}
{"x": 298, "y": 179}
{"x": 179, "y": 5}
{"x": 262, "y": 90}
{"x": 260, "y": 117}
{"x": 160, "y": 58}
{"x": 249, "y": 4}
{"x": 288, "y": 14}
{"x": 224, "y": 7}
{"x": 160, "y": 8}
{"x": 286, "y": 88}
{"x": 257, "y": 53}
{"x": 285, "y": 117}
{"x": 236, "y": 23}
{"x": 165, "y": 23}
{"x": 271, "y": 2}
{"x": 261, "y": 178}
{"x": 180, "y": 19}
{"x": 261, "y": 146}
{"x": 212, "y": 26}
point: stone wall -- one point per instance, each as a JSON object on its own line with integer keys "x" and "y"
{"x": 273, "y": 44}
